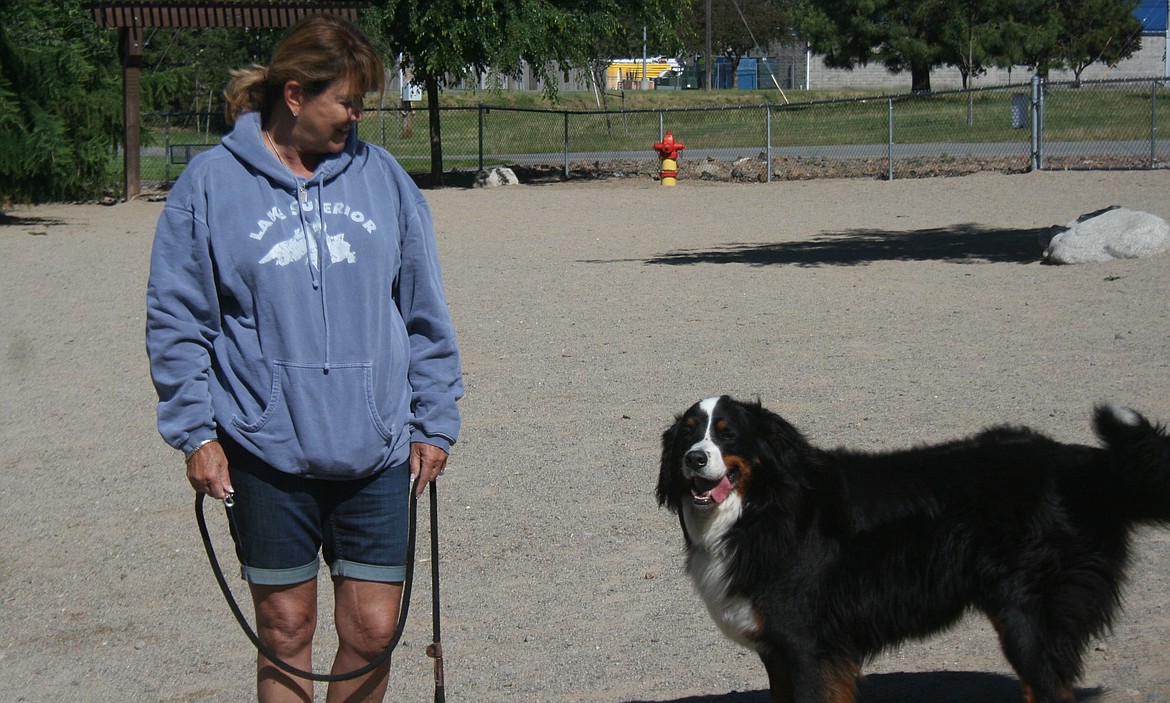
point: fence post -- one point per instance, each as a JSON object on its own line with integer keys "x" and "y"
{"x": 661, "y": 125}
{"x": 768, "y": 151}
{"x": 167, "y": 148}
{"x": 566, "y": 145}
{"x": 480, "y": 110}
{"x": 1037, "y": 127}
{"x": 890, "y": 140}
{"x": 1153, "y": 123}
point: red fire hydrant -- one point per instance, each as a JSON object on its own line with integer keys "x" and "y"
{"x": 668, "y": 150}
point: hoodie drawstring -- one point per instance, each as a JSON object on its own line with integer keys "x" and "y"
{"x": 322, "y": 246}
{"x": 316, "y": 241}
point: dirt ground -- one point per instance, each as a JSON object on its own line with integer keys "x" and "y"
{"x": 870, "y": 313}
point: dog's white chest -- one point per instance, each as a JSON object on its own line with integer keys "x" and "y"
{"x": 734, "y": 615}
{"x": 709, "y": 565}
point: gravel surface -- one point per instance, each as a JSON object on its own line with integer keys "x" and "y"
{"x": 871, "y": 314}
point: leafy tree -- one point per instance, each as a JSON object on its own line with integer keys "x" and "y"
{"x": 443, "y": 41}
{"x": 628, "y": 40}
{"x": 60, "y": 108}
{"x": 182, "y": 67}
{"x": 737, "y": 26}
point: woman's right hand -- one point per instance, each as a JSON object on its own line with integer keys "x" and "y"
{"x": 207, "y": 470}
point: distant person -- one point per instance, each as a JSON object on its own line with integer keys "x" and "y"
{"x": 302, "y": 350}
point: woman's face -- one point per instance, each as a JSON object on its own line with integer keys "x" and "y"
{"x": 325, "y": 119}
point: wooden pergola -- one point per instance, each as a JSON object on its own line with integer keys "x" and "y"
{"x": 131, "y": 18}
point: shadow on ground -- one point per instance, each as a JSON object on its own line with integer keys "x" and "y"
{"x": 930, "y": 687}
{"x": 959, "y": 244}
{"x": 7, "y": 220}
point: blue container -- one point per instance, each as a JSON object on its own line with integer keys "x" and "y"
{"x": 746, "y": 77}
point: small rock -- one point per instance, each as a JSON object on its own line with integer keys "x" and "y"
{"x": 495, "y": 176}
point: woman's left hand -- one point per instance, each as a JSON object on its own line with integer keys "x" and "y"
{"x": 426, "y": 463}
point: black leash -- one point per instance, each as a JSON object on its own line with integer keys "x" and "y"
{"x": 435, "y": 650}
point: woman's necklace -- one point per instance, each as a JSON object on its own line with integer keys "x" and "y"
{"x": 277, "y": 151}
{"x": 301, "y": 186}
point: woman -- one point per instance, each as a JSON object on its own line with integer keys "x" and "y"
{"x": 302, "y": 350}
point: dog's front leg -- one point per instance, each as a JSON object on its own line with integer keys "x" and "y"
{"x": 804, "y": 679}
{"x": 779, "y": 677}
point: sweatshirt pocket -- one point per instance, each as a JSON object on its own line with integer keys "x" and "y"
{"x": 321, "y": 423}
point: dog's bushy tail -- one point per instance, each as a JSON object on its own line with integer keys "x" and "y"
{"x": 1139, "y": 456}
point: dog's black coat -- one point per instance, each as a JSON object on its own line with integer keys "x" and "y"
{"x": 840, "y": 554}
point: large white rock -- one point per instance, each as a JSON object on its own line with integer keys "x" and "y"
{"x": 1115, "y": 233}
{"x": 495, "y": 176}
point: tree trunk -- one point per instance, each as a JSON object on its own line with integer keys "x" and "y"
{"x": 432, "y": 85}
{"x": 920, "y": 79}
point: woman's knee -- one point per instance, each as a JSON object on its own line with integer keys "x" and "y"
{"x": 367, "y": 616}
{"x": 286, "y": 617}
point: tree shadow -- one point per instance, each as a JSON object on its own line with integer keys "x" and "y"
{"x": 928, "y": 687}
{"x": 7, "y": 220}
{"x": 968, "y": 244}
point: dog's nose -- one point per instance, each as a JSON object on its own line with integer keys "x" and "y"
{"x": 695, "y": 459}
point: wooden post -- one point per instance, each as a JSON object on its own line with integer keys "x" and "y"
{"x": 131, "y": 41}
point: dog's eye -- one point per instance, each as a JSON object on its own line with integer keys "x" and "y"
{"x": 725, "y": 434}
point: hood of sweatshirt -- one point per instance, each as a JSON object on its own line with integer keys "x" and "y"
{"x": 246, "y": 142}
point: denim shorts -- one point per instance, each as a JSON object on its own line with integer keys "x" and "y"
{"x": 280, "y": 522}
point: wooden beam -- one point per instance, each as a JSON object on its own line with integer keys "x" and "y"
{"x": 201, "y": 15}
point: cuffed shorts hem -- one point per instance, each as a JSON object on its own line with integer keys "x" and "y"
{"x": 280, "y": 577}
{"x": 368, "y": 572}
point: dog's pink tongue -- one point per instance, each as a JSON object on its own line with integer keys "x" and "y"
{"x": 720, "y": 492}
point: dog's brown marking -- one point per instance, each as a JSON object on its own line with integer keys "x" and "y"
{"x": 1064, "y": 692}
{"x": 734, "y": 462}
{"x": 841, "y": 681}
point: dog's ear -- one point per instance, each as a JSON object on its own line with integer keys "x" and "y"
{"x": 670, "y": 483}
{"x": 781, "y": 443}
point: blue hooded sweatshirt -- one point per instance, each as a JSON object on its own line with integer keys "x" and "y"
{"x": 306, "y": 319}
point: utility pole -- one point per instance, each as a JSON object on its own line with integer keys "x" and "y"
{"x": 707, "y": 52}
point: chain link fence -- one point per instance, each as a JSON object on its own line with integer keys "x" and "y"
{"x": 1014, "y": 128}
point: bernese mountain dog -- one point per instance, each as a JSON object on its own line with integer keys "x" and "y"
{"x": 820, "y": 559}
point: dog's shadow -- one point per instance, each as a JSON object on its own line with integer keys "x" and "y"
{"x": 930, "y": 687}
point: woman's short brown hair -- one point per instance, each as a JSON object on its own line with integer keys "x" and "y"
{"x": 316, "y": 52}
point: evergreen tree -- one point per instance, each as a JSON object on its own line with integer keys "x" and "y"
{"x": 60, "y": 108}
{"x": 901, "y": 34}
{"x": 1097, "y": 31}
{"x": 918, "y": 35}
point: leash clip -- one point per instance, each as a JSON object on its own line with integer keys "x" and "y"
{"x": 229, "y": 499}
